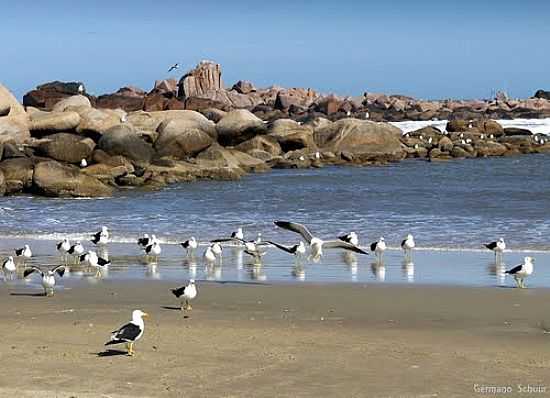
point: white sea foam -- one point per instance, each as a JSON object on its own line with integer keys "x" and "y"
{"x": 536, "y": 126}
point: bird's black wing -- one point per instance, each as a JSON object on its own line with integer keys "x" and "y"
{"x": 287, "y": 249}
{"x": 126, "y": 333}
{"x": 60, "y": 269}
{"x": 59, "y": 244}
{"x": 30, "y": 270}
{"x": 345, "y": 238}
{"x": 338, "y": 244}
{"x": 179, "y": 291}
{"x": 185, "y": 244}
{"x": 19, "y": 252}
{"x": 295, "y": 227}
{"x": 373, "y": 246}
{"x": 143, "y": 241}
{"x": 515, "y": 270}
{"x": 83, "y": 257}
{"x": 403, "y": 242}
{"x": 491, "y": 246}
{"x": 221, "y": 240}
{"x": 101, "y": 261}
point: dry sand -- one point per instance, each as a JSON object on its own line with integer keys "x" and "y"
{"x": 276, "y": 340}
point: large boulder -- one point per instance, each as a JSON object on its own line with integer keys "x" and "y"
{"x": 264, "y": 143}
{"x": 488, "y": 127}
{"x": 238, "y": 126}
{"x": 13, "y": 119}
{"x": 72, "y": 102}
{"x": 47, "y": 95}
{"x": 95, "y": 122}
{"x": 123, "y": 140}
{"x": 66, "y": 147}
{"x": 48, "y": 122}
{"x": 206, "y": 76}
{"x": 244, "y": 87}
{"x": 220, "y": 157}
{"x": 365, "y": 140}
{"x": 127, "y": 98}
{"x": 291, "y": 135}
{"x": 18, "y": 169}
{"x": 182, "y": 138}
{"x": 52, "y": 178}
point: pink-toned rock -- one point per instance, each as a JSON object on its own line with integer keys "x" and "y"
{"x": 207, "y": 76}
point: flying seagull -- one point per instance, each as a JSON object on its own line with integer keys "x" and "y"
{"x": 174, "y": 67}
{"x": 316, "y": 244}
{"x": 520, "y": 272}
{"x": 129, "y": 333}
{"x": 48, "y": 277}
{"x": 185, "y": 294}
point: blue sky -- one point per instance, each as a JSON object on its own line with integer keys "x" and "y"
{"x": 427, "y": 49}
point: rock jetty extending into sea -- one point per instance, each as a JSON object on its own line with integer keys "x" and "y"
{"x": 196, "y": 129}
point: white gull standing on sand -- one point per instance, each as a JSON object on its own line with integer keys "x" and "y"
{"x": 186, "y": 293}
{"x": 131, "y": 332}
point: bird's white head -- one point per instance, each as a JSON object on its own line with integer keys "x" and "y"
{"x": 381, "y": 239}
{"x": 193, "y": 239}
{"x": 137, "y": 315}
{"x": 27, "y": 247}
{"x": 10, "y": 258}
{"x": 529, "y": 259}
{"x": 240, "y": 230}
{"x": 302, "y": 244}
{"x": 146, "y": 235}
{"x": 153, "y": 237}
{"x": 353, "y": 234}
{"x": 191, "y": 281}
{"x": 501, "y": 240}
{"x": 409, "y": 236}
{"x": 77, "y": 242}
{"x": 104, "y": 229}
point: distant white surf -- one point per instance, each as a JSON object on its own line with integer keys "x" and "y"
{"x": 536, "y": 126}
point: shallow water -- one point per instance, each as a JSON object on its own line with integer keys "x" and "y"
{"x": 467, "y": 268}
{"x": 451, "y": 208}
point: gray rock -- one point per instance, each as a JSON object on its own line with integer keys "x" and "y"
{"x": 66, "y": 147}
{"x": 122, "y": 140}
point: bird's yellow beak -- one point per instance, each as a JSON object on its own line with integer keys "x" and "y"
{"x": 145, "y": 315}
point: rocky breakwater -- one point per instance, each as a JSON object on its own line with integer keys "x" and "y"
{"x": 202, "y": 89}
{"x": 470, "y": 139}
{"x": 70, "y": 148}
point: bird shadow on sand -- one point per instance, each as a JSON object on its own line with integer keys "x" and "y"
{"x": 28, "y": 294}
{"x": 167, "y": 307}
{"x": 110, "y": 353}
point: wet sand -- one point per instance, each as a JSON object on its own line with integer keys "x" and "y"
{"x": 257, "y": 340}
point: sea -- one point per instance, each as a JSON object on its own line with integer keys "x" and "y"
{"x": 452, "y": 209}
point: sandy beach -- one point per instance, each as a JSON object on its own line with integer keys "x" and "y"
{"x": 276, "y": 340}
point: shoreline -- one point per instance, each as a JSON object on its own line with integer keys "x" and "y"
{"x": 247, "y": 340}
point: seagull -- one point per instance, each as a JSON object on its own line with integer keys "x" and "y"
{"x": 24, "y": 252}
{"x": 130, "y": 333}
{"x": 316, "y": 244}
{"x": 101, "y": 237}
{"x": 238, "y": 234}
{"x": 350, "y": 238}
{"x": 174, "y": 67}
{"x": 185, "y": 294}
{"x": 250, "y": 247}
{"x": 144, "y": 241}
{"x": 9, "y": 265}
{"x": 379, "y": 247}
{"x": 76, "y": 250}
{"x": 83, "y": 163}
{"x": 217, "y": 250}
{"x": 63, "y": 247}
{"x": 297, "y": 250}
{"x": 209, "y": 255}
{"x": 153, "y": 250}
{"x": 190, "y": 245}
{"x": 408, "y": 245}
{"x": 95, "y": 261}
{"x": 48, "y": 277}
{"x": 520, "y": 272}
{"x": 498, "y": 247}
